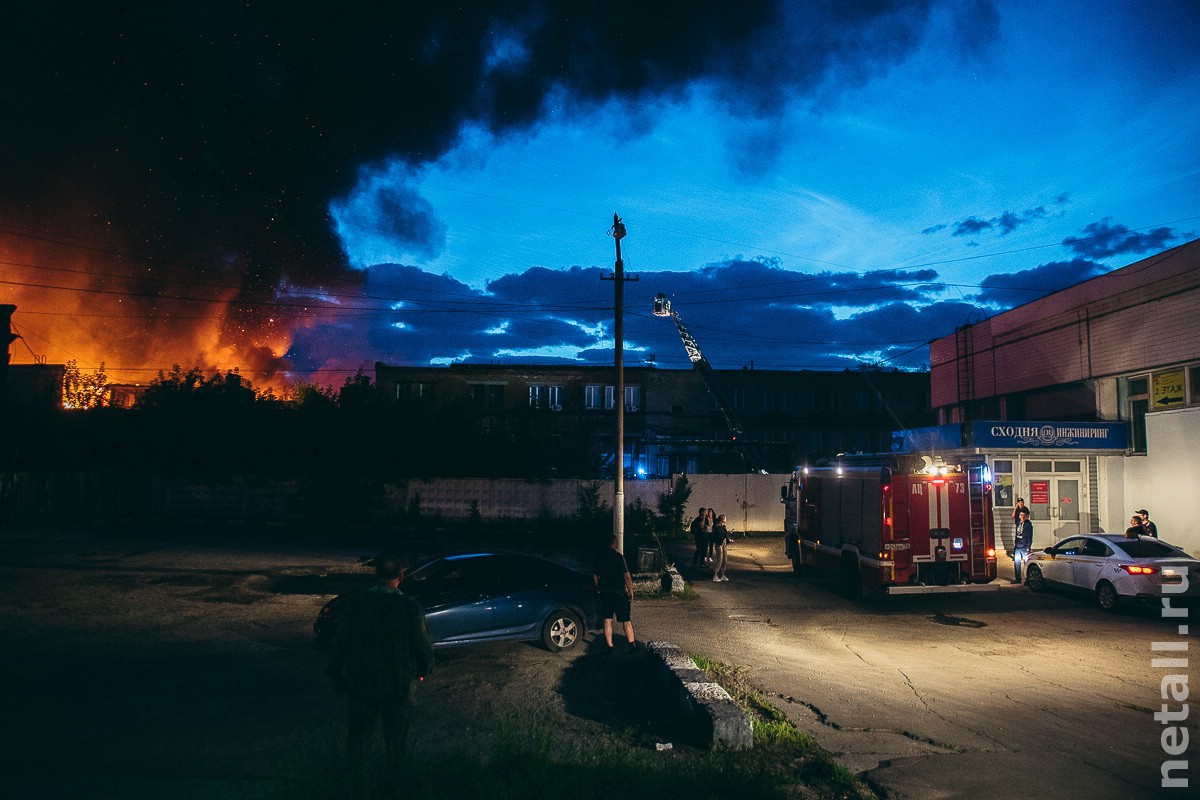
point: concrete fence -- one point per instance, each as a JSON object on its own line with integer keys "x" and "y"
{"x": 751, "y": 502}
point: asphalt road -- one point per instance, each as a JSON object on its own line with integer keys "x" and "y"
{"x": 1003, "y": 694}
{"x": 169, "y": 669}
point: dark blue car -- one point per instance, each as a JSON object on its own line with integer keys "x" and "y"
{"x": 492, "y": 596}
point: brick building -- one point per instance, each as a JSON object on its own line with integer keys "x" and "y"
{"x": 672, "y": 425}
{"x": 1085, "y": 402}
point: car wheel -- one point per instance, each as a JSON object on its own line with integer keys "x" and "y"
{"x": 561, "y": 631}
{"x": 1107, "y": 597}
{"x": 1034, "y": 579}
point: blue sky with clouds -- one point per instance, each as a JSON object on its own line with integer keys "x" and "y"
{"x": 981, "y": 150}
{"x": 815, "y": 185}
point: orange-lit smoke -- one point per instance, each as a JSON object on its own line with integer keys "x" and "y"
{"x": 138, "y": 318}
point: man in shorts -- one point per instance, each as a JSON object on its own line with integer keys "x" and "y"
{"x": 615, "y": 587}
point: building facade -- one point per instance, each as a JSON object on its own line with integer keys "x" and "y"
{"x": 672, "y": 425}
{"x": 1086, "y": 402}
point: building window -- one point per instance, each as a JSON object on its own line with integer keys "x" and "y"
{"x": 545, "y": 397}
{"x": 414, "y": 391}
{"x": 1003, "y": 469}
{"x": 610, "y": 397}
{"x": 487, "y": 395}
{"x": 1137, "y": 404}
{"x": 593, "y": 396}
{"x": 633, "y": 398}
{"x": 738, "y": 398}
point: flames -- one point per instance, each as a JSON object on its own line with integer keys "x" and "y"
{"x": 138, "y": 318}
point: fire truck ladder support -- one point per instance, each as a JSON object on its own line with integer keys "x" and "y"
{"x": 662, "y": 308}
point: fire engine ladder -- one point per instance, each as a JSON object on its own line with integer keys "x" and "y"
{"x": 980, "y": 518}
{"x": 662, "y": 308}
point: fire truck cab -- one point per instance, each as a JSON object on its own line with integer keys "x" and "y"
{"x": 897, "y": 524}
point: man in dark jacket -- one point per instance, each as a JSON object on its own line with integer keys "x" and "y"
{"x": 381, "y": 648}
{"x": 700, "y": 538}
{"x": 1023, "y": 543}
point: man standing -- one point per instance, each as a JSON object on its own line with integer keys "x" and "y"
{"x": 615, "y": 587}
{"x": 1148, "y": 527}
{"x": 380, "y": 649}
{"x": 700, "y": 540}
{"x": 1023, "y": 542}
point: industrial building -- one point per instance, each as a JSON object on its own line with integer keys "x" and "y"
{"x": 1086, "y": 402}
{"x": 673, "y": 423}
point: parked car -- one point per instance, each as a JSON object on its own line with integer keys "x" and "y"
{"x": 491, "y": 596}
{"x": 1116, "y": 569}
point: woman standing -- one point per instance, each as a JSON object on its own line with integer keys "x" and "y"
{"x": 720, "y": 540}
{"x": 708, "y": 534}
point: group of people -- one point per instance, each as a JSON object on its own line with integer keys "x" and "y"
{"x": 1141, "y": 525}
{"x": 710, "y": 532}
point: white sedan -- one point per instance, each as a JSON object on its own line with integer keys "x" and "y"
{"x": 1116, "y": 569}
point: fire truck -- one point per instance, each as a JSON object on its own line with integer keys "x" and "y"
{"x": 897, "y": 524}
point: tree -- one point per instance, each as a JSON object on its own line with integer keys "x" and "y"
{"x": 82, "y": 391}
{"x": 176, "y": 388}
{"x": 357, "y": 392}
{"x": 671, "y": 504}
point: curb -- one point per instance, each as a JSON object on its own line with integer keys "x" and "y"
{"x": 722, "y": 722}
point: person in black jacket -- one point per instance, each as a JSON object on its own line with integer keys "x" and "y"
{"x": 700, "y": 539}
{"x": 1148, "y": 527}
{"x": 1023, "y": 543}
{"x": 381, "y": 648}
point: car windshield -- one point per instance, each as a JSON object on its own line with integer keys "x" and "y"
{"x": 1148, "y": 548}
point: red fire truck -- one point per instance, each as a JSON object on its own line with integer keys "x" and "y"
{"x": 903, "y": 524}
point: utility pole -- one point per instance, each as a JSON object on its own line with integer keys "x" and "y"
{"x": 618, "y": 279}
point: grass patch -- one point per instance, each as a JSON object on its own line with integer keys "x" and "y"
{"x": 531, "y": 757}
{"x": 789, "y": 753}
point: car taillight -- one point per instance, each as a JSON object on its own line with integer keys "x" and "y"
{"x": 1137, "y": 569}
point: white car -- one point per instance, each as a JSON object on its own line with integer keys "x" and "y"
{"x": 1116, "y": 569}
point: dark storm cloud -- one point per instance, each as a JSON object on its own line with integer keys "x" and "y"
{"x": 1004, "y": 224}
{"x": 739, "y": 311}
{"x": 197, "y": 125}
{"x": 1018, "y": 288}
{"x": 212, "y": 137}
{"x": 1103, "y": 240}
{"x": 398, "y": 213}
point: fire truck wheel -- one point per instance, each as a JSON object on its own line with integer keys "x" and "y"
{"x": 1107, "y": 597}
{"x": 1034, "y": 579}
{"x": 798, "y": 563}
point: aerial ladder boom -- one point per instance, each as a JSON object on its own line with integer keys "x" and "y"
{"x": 662, "y": 308}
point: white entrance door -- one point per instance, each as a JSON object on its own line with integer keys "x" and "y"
{"x": 1054, "y": 505}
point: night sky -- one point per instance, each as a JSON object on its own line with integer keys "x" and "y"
{"x": 300, "y": 192}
